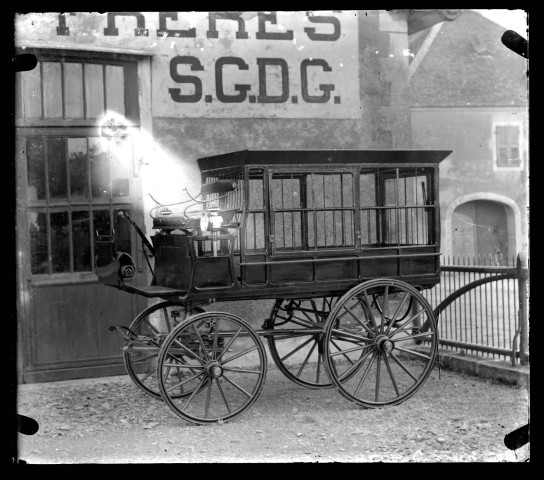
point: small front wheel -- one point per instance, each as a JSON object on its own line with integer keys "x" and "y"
{"x": 379, "y": 355}
{"x": 227, "y": 364}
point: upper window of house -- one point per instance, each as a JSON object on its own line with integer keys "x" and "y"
{"x": 507, "y": 150}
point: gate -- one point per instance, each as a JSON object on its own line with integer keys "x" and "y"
{"x": 481, "y": 305}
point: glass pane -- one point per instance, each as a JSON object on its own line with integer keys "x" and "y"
{"x": 73, "y": 90}
{"x": 77, "y": 157}
{"x": 100, "y": 169}
{"x": 81, "y": 241}
{"x": 123, "y": 230}
{"x": 32, "y": 93}
{"x": 94, "y": 90}
{"x": 52, "y": 90}
{"x": 56, "y": 163}
{"x": 367, "y": 186}
{"x": 60, "y": 247}
{"x": 37, "y": 226}
{"x": 256, "y": 193}
{"x": 101, "y": 222}
{"x": 121, "y": 154}
{"x": 115, "y": 89}
{"x": 35, "y": 169}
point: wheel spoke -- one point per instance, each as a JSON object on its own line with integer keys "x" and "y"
{"x": 183, "y": 382}
{"x": 370, "y": 312}
{"x": 360, "y": 384}
{"x": 151, "y": 326}
{"x": 144, "y": 359}
{"x": 189, "y": 351}
{"x": 352, "y": 369}
{"x": 231, "y": 341}
{"x": 318, "y": 367}
{"x": 349, "y": 350}
{"x": 384, "y": 308}
{"x": 302, "y": 345}
{"x": 411, "y": 352}
{"x": 406, "y": 296}
{"x": 201, "y": 342}
{"x": 208, "y": 397}
{"x": 406, "y": 322}
{"x": 306, "y": 359}
{"x": 215, "y": 339}
{"x": 378, "y": 373}
{"x": 238, "y": 387}
{"x": 411, "y": 337}
{"x": 238, "y": 355}
{"x": 359, "y": 321}
{"x": 146, "y": 376}
{"x": 166, "y": 319}
{"x": 181, "y": 365}
{"x": 386, "y": 361}
{"x": 223, "y": 394}
{"x": 195, "y": 391}
{"x": 241, "y": 370}
{"x": 350, "y": 337}
{"x": 401, "y": 365}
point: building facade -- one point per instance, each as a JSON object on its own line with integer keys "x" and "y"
{"x": 122, "y": 104}
{"x": 470, "y": 94}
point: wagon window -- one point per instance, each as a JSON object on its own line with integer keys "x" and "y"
{"x": 397, "y": 206}
{"x": 312, "y": 211}
{"x": 255, "y": 224}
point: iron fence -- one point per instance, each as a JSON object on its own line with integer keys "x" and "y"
{"x": 481, "y": 306}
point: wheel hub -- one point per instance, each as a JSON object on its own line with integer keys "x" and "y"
{"x": 384, "y": 344}
{"x": 214, "y": 369}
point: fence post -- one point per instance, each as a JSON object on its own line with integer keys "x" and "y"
{"x": 523, "y": 276}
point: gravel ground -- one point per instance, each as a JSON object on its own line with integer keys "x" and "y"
{"x": 453, "y": 418}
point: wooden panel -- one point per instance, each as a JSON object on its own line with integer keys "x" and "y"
{"x": 73, "y": 90}
{"x": 32, "y": 93}
{"x": 76, "y": 331}
{"x": 115, "y": 89}
{"x": 94, "y": 90}
{"x": 52, "y": 90}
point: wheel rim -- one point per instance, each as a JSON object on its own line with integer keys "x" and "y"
{"x": 151, "y": 326}
{"x": 227, "y": 362}
{"x": 299, "y": 356}
{"x": 375, "y": 362}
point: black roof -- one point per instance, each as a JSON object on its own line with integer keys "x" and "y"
{"x": 320, "y": 157}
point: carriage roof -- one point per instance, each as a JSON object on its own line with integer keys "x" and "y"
{"x": 325, "y": 157}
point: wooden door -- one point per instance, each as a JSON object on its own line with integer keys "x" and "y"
{"x": 73, "y": 180}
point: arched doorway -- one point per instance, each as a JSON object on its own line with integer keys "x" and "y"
{"x": 481, "y": 227}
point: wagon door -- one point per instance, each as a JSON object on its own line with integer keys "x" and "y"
{"x": 75, "y": 174}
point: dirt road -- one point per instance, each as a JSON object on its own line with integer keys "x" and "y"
{"x": 453, "y": 418}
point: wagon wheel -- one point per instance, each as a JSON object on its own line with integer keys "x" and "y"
{"x": 151, "y": 327}
{"x": 228, "y": 364}
{"x": 380, "y": 363}
{"x": 298, "y": 353}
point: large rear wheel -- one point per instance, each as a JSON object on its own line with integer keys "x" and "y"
{"x": 385, "y": 355}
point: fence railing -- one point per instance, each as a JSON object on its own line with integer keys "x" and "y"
{"x": 481, "y": 305}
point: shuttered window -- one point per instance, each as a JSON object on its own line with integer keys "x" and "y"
{"x": 507, "y": 146}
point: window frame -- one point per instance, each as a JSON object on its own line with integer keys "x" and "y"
{"x": 76, "y": 128}
{"x": 509, "y": 145}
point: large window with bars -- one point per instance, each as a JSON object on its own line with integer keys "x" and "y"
{"x": 312, "y": 211}
{"x": 396, "y": 206}
{"x": 78, "y": 181}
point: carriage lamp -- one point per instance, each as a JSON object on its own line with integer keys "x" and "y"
{"x": 211, "y": 221}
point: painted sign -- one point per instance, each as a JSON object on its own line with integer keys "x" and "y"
{"x": 224, "y": 64}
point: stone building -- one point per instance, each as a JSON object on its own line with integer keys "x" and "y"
{"x": 122, "y": 104}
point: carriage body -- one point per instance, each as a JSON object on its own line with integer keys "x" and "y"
{"x": 343, "y": 240}
{"x": 305, "y": 223}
